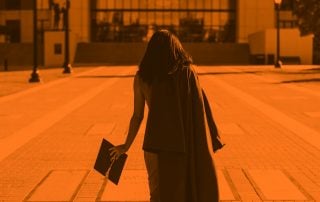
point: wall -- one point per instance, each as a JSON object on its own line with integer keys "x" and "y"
{"x": 254, "y": 16}
{"x": 2, "y": 38}
{"x": 80, "y": 20}
{"x": 26, "y": 20}
{"x": 57, "y": 37}
{"x": 50, "y": 58}
{"x": 257, "y": 43}
{"x": 291, "y": 44}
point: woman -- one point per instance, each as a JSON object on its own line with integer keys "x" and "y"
{"x": 177, "y": 143}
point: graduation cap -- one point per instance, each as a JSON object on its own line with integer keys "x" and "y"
{"x": 107, "y": 167}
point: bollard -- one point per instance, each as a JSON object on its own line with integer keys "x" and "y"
{"x": 5, "y": 64}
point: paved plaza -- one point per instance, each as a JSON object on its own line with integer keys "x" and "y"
{"x": 50, "y": 133}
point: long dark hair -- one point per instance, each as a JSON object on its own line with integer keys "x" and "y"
{"x": 164, "y": 56}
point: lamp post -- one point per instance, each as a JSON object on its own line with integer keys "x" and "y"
{"x": 35, "y": 75}
{"x": 67, "y": 66}
{"x": 278, "y": 62}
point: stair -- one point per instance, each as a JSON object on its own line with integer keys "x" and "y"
{"x": 219, "y": 54}
{"x": 132, "y": 53}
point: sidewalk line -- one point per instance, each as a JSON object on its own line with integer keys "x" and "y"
{"x": 42, "y": 86}
{"x": 21, "y": 137}
{"x": 306, "y": 133}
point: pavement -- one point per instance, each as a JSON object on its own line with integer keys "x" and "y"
{"x": 50, "y": 133}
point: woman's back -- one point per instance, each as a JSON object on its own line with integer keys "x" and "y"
{"x": 178, "y": 160}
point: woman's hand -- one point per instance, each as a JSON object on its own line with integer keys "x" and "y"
{"x": 117, "y": 151}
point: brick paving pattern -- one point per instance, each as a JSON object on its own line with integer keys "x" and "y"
{"x": 55, "y": 129}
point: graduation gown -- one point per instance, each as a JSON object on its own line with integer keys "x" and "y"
{"x": 181, "y": 130}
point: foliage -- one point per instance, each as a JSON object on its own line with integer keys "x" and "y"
{"x": 308, "y": 13}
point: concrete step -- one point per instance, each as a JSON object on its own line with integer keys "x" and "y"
{"x": 18, "y": 54}
{"x": 132, "y": 53}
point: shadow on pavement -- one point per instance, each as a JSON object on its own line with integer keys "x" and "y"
{"x": 225, "y": 73}
{"x": 313, "y": 69}
{"x": 106, "y": 76}
{"x": 132, "y": 75}
{"x": 303, "y": 72}
{"x": 302, "y": 80}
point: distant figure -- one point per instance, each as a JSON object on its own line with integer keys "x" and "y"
{"x": 177, "y": 152}
{"x": 56, "y": 13}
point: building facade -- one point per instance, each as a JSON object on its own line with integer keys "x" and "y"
{"x": 134, "y": 21}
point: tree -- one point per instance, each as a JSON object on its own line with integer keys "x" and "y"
{"x": 308, "y": 13}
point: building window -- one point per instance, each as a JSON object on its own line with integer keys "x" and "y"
{"x": 288, "y": 24}
{"x": 13, "y": 4}
{"x": 287, "y": 18}
{"x": 190, "y": 20}
{"x": 287, "y": 5}
{"x": 57, "y": 48}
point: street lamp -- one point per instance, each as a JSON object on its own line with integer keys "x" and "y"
{"x": 35, "y": 75}
{"x": 67, "y": 66}
{"x": 278, "y": 62}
